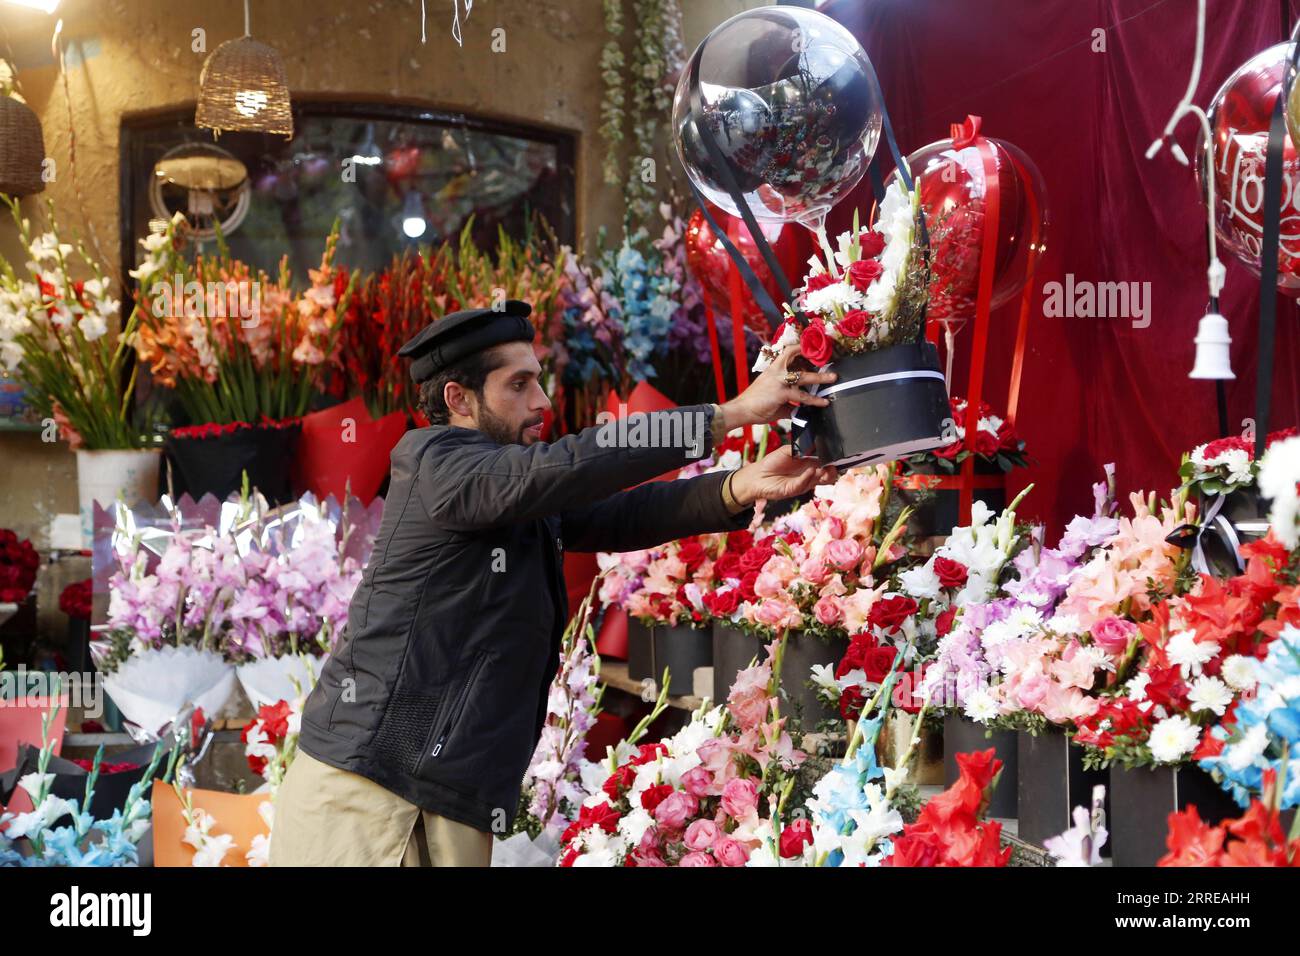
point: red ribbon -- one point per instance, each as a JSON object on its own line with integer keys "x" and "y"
{"x": 965, "y": 134}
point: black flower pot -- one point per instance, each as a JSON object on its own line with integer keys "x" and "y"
{"x": 885, "y": 405}
{"x": 111, "y": 790}
{"x": 681, "y": 649}
{"x": 1051, "y": 782}
{"x": 733, "y": 649}
{"x": 640, "y": 650}
{"x": 961, "y": 735}
{"x": 1141, "y": 800}
{"x": 215, "y": 464}
{"x": 802, "y": 652}
{"x": 938, "y": 514}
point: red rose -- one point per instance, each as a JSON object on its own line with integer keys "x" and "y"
{"x": 872, "y": 243}
{"x": 943, "y": 623}
{"x": 952, "y": 574}
{"x": 795, "y": 836}
{"x": 651, "y": 797}
{"x": 879, "y": 662}
{"x": 747, "y": 586}
{"x": 727, "y": 566}
{"x": 618, "y": 781}
{"x": 851, "y": 702}
{"x": 755, "y": 557}
{"x": 986, "y": 443}
{"x": 815, "y": 344}
{"x": 948, "y": 452}
{"x": 722, "y": 604}
{"x": 864, "y": 272}
{"x": 853, "y": 324}
{"x": 692, "y": 554}
{"x": 739, "y": 541}
{"x": 888, "y": 614}
{"x": 817, "y": 281}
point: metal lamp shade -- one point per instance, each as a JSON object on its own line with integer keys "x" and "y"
{"x": 243, "y": 87}
{"x": 22, "y": 149}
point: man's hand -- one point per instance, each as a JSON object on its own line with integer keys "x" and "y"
{"x": 779, "y": 475}
{"x": 770, "y": 396}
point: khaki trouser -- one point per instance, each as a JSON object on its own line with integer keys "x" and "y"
{"x": 330, "y": 817}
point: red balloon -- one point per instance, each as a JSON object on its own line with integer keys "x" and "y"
{"x": 711, "y": 266}
{"x": 951, "y": 178}
{"x": 1240, "y": 114}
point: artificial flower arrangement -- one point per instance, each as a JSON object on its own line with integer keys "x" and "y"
{"x": 19, "y": 563}
{"x": 57, "y": 337}
{"x": 32, "y": 839}
{"x": 1191, "y": 662}
{"x": 703, "y": 797}
{"x": 76, "y": 599}
{"x": 237, "y": 348}
{"x": 1225, "y": 465}
{"x": 869, "y": 294}
{"x": 1258, "y": 738}
{"x": 255, "y": 593}
{"x": 995, "y": 441}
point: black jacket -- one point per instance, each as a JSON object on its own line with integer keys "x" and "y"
{"x": 438, "y": 690}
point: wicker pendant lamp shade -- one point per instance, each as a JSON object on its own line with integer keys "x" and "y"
{"x": 22, "y": 149}
{"x": 243, "y": 87}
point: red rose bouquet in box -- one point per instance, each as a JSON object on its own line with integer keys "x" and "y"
{"x": 18, "y": 565}
{"x": 995, "y": 441}
{"x": 75, "y": 601}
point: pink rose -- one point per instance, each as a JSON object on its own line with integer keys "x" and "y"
{"x": 1032, "y": 690}
{"x": 776, "y": 612}
{"x": 828, "y": 611}
{"x": 698, "y": 782}
{"x": 674, "y": 810}
{"x": 835, "y": 526}
{"x": 749, "y": 708}
{"x": 701, "y": 834}
{"x": 768, "y": 585}
{"x": 730, "y": 852}
{"x": 813, "y": 570}
{"x": 784, "y": 568}
{"x": 1112, "y": 634}
{"x": 740, "y": 798}
{"x": 844, "y": 553}
{"x": 696, "y": 858}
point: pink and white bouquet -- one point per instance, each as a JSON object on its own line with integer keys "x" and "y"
{"x": 699, "y": 798}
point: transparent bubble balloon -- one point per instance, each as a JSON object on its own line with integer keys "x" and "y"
{"x": 793, "y": 105}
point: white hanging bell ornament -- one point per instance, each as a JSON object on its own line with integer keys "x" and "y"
{"x": 1212, "y": 341}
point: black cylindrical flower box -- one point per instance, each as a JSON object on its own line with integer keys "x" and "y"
{"x": 961, "y": 735}
{"x": 885, "y": 405}
{"x": 937, "y": 515}
{"x": 640, "y": 650}
{"x": 802, "y": 652}
{"x": 1051, "y": 782}
{"x": 681, "y": 649}
{"x": 1141, "y": 800}
{"x": 215, "y": 463}
{"x": 733, "y": 649}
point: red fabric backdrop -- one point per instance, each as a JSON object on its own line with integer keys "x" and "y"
{"x": 1094, "y": 390}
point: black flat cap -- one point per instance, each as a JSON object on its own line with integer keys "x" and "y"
{"x": 459, "y": 334}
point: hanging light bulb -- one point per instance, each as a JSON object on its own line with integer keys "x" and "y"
{"x": 413, "y": 221}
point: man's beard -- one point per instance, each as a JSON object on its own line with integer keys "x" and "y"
{"x": 499, "y": 430}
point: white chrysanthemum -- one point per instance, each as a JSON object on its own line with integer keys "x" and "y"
{"x": 981, "y": 707}
{"x": 1173, "y": 738}
{"x": 998, "y": 633}
{"x": 1240, "y": 672}
{"x": 1065, "y": 624}
{"x": 1136, "y": 688}
{"x": 824, "y": 300}
{"x": 1190, "y": 654}
{"x": 1209, "y": 693}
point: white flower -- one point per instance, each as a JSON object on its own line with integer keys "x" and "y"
{"x": 1278, "y": 473}
{"x": 1065, "y": 624}
{"x": 824, "y": 300}
{"x": 823, "y": 675}
{"x": 981, "y": 707}
{"x": 632, "y": 825}
{"x": 1209, "y": 693}
{"x": 1246, "y": 751}
{"x": 1173, "y": 738}
{"x": 1189, "y": 653}
{"x": 1240, "y": 672}
{"x": 1136, "y": 688}
{"x": 260, "y": 853}
{"x": 788, "y": 336}
{"x": 853, "y": 678}
{"x": 92, "y": 326}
